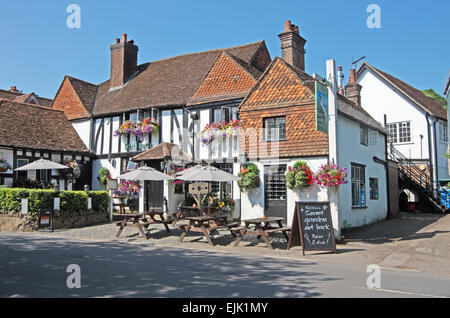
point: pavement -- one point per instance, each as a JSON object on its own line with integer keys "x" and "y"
{"x": 414, "y": 241}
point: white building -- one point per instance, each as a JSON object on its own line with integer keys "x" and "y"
{"x": 417, "y": 124}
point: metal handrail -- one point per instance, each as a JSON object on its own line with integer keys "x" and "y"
{"x": 413, "y": 172}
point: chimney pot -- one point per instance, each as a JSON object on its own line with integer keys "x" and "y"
{"x": 117, "y": 41}
{"x": 124, "y": 38}
{"x": 352, "y": 78}
{"x": 287, "y": 26}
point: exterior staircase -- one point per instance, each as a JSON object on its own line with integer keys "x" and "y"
{"x": 413, "y": 178}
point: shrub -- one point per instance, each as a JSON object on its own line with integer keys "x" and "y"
{"x": 299, "y": 176}
{"x": 249, "y": 177}
{"x": 71, "y": 201}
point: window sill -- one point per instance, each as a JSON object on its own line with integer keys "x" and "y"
{"x": 358, "y": 207}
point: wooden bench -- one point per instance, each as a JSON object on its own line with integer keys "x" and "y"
{"x": 281, "y": 229}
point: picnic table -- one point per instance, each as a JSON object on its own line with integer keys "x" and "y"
{"x": 188, "y": 211}
{"x": 206, "y": 224}
{"x": 262, "y": 227}
{"x": 133, "y": 220}
{"x": 157, "y": 216}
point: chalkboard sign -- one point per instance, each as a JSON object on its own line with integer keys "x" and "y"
{"x": 312, "y": 227}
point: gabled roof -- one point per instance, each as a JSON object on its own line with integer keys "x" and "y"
{"x": 413, "y": 94}
{"x": 85, "y": 91}
{"x": 36, "y": 127}
{"x": 229, "y": 77}
{"x": 297, "y": 88}
{"x": 168, "y": 82}
{"x": 22, "y": 98}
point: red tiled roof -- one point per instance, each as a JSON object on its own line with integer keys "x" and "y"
{"x": 21, "y": 98}
{"x": 229, "y": 77}
{"x": 36, "y": 127}
{"x": 167, "y": 82}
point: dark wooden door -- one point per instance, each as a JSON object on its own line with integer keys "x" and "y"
{"x": 154, "y": 195}
{"x": 275, "y": 191}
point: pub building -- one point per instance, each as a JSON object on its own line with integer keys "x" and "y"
{"x": 29, "y": 132}
{"x": 177, "y": 98}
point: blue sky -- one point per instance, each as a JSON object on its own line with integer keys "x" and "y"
{"x": 37, "y": 48}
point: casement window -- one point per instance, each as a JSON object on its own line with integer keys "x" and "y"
{"x": 443, "y": 133}
{"x": 22, "y": 174}
{"x": 373, "y": 184}
{"x": 399, "y": 132}
{"x": 274, "y": 128}
{"x": 373, "y": 137}
{"x": 363, "y": 134}
{"x": 358, "y": 186}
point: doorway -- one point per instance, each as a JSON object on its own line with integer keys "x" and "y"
{"x": 275, "y": 191}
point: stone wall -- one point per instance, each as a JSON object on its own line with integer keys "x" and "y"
{"x": 29, "y": 223}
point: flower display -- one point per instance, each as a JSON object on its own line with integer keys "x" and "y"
{"x": 249, "y": 177}
{"x": 299, "y": 176}
{"x": 103, "y": 176}
{"x": 219, "y": 130}
{"x": 140, "y": 130}
{"x": 330, "y": 175}
{"x": 173, "y": 172}
{"x": 129, "y": 188}
{"x": 4, "y": 165}
{"x": 73, "y": 171}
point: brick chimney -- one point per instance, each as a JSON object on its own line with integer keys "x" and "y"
{"x": 353, "y": 89}
{"x": 292, "y": 45}
{"x": 14, "y": 89}
{"x": 123, "y": 61}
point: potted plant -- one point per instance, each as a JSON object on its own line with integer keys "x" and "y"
{"x": 250, "y": 179}
{"x": 4, "y": 165}
{"x": 299, "y": 176}
{"x": 219, "y": 130}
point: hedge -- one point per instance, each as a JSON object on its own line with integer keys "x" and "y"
{"x": 71, "y": 201}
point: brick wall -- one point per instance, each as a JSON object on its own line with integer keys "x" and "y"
{"x": 68, "y": 101}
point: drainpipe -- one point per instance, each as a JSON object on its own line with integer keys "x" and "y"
{"x": 431, "y": 153}
{"x": 388, "y": 194}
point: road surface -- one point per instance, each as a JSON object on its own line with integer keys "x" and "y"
{"x": 36, "y": 266}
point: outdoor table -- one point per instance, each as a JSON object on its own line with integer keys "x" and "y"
{"x": 134, "y": 221}
{"x": 161, "y": 220}
{"x": 207, "y": 225}
{"x": 262, "y": 228}
{"x": 185, "y": 211}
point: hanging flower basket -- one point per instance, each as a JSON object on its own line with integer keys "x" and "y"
{"x": 172, "y": 172}
{"x": 73, "y": 171}
{"x": 4, "y": 165}
{"x": 299, "y": 177}
{"x": 140, "y": 130}
{"x": 219, "y": 130}
{"x": 103, "y": 176}
{"x": 330, "y": 175}
{"x": 249, "y": 177}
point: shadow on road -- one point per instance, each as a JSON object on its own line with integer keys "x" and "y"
{"x": 36, "y": 267}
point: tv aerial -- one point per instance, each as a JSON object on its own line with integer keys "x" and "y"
{"x": 355, "y": 62}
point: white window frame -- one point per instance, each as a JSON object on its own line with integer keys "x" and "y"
{"x": 397, "y": 126}
{"x": 443, "y": 133}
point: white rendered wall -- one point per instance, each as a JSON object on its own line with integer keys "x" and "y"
{"x": 83, "y": 128}
{"x": 378, "y": 99}
{"x": 352, "y": 151}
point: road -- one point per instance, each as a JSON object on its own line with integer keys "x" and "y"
{"x": 35, "y": 266}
